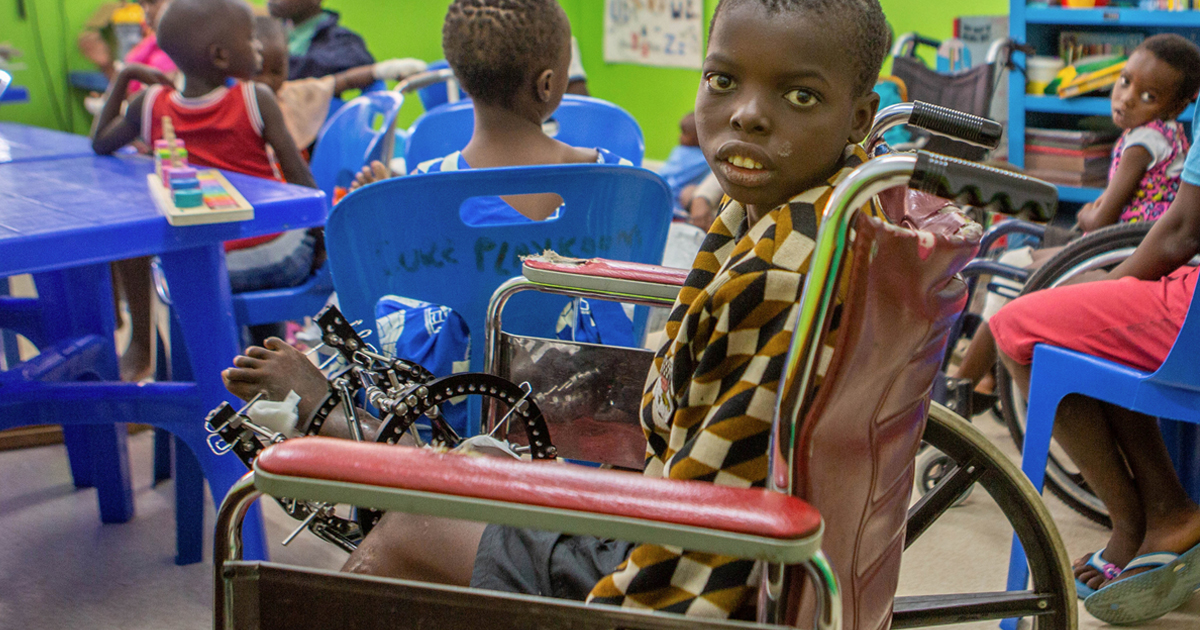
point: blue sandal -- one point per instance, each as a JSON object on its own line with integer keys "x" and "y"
{"x": 1106, "y": 569}
{"x": 1148, "y": 595}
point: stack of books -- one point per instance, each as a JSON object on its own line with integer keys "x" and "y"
{"x": 1069, "y": 157}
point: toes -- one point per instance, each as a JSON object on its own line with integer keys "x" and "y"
{"x": 247, "y": 363}
{"x": 257, "y": 352}
{"x": 275, "y": 343}
{"x": 238, "y": 376}
{"x": 379, "y": 170}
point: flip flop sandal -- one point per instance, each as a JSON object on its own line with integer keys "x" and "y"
{"x": 1148, "y": 595}
{"x": 1106, "y": 568}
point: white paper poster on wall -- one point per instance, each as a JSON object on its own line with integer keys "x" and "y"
{"x": 654, "y": 32}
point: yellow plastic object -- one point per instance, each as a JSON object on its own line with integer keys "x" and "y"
{"x": 1079, "y": 4}
{"x": 1036, "y": 87}
{"x": 1090, "y": 81}
{"x": 129, "y": 14}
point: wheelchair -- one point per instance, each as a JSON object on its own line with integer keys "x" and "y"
{"x": 840, "y": 461}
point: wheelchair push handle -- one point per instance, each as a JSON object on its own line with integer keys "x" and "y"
{"x": 424, "y": 80}
{"x": 942, "y": 121}
{"x": 1013, "y": 193}
{"x": 957, "y": 125}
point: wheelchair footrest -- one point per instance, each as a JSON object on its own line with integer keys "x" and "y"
{"x": 696, "y": 515}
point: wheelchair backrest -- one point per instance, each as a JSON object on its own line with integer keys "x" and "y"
{"x": 405, "y": 236}
{"x": 579, "y": 121}
{"x": 361, "y": 131}
{"x": 859, "y": 435}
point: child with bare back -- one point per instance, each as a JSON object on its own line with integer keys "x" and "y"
{"x": 785, "y": 99}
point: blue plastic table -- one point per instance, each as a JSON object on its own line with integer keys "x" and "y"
{"x": 78, "y": 214}
{"x": 23, "y": 143}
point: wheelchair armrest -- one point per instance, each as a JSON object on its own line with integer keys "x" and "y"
{"x": 695, "y": 515}
{"x": 605, "y": 276}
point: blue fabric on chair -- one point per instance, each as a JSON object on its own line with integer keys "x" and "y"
{"x": 405, "y": 236}
{"x": 360, "y": 132}
{"x": 1172, "y": 392}
{"x": 581, "y": 121}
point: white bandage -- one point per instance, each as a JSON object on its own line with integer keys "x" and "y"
{"x": 280, "y": 416}
{"x": 396, "y": 69}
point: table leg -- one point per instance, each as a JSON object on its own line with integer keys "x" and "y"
{"x": 79, "y": 302}
{"x": 200, "y": 293}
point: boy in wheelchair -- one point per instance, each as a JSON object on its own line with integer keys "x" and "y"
{"x": 781, "y": 109}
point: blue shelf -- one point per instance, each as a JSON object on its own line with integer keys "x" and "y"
{"x": 1075, "y": 194}
{"x": 1111, "y": 17}
{"x": 1082, "y": 106}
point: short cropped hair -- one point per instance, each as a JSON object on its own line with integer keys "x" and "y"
{"x": 269, "y": 30}
{"x": 1180, "y": 53}
{"x": 862, "y": 20}
{"x": 495, "y": 47}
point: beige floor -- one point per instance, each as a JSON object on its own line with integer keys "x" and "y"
{"x": 60, "y": 568}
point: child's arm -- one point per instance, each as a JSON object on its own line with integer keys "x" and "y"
{"x": 295, "y": 171}
{"x": 1124, "y": 184}
{"x": 388, "y": 70}
{"x": 112, "y": 131}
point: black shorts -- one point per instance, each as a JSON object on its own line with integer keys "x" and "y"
{"x": 534, "y": 562}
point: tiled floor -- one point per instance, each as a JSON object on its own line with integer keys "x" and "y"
{"x": 62, "y": 569}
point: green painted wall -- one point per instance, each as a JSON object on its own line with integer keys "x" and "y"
{"x": 657, "y": 97}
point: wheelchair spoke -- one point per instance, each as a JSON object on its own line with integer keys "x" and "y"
{"x": 957, "y": 481}
{"x": 937, "y": 610}
{"x": 975, "y": 460}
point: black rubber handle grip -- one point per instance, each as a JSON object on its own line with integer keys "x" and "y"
{"x": 957, "y": 125}
{"x": 1012, "y": 193}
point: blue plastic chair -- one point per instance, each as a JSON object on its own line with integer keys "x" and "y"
{"x": 360, "y": 132}
{"x": 336, "y": 103}
{"x": 404, "y": 236}
{"x": 439, "y": 94}
{"x": 1172, "y": 392}
{"x": 582, "y": 121}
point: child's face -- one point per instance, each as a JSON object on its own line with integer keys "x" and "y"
{"x": 239, "y": 55}
{"x": 274, "y": 64}
{"x": 776, "y": 106}
{"x": 1147, "y": 90}
{"x": 293, "y": 9}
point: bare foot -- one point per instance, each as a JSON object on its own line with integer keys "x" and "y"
{"x": 375, "y": 172}
{"x": 274, "y": 371}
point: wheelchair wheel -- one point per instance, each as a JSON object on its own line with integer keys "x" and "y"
{"x": 1099, "y": 251}
{"x": 976, "y": 461}
{"x": 933, "y": 466}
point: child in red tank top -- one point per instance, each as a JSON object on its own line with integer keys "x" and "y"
{"x": 227, "y": 127}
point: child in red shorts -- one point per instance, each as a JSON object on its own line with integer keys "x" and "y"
{"x": 1132, "y": 317}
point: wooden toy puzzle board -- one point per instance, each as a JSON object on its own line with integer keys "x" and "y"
{"x": 222, "y": 202}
